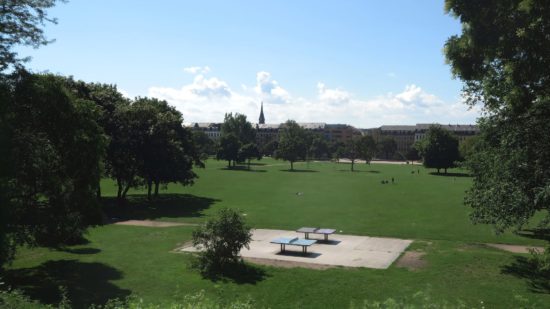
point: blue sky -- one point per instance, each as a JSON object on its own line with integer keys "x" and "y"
{"x": 365, "y": 63}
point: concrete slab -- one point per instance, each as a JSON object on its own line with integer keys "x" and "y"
{"x": 340, "y": 250}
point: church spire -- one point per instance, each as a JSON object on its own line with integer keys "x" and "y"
{"x": 262, "y": 118}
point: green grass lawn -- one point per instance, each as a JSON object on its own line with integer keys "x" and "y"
{"x": 416, "y": 206}
{"x": 121, "y": 260}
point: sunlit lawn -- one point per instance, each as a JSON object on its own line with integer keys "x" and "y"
{"x": 123, "y": 260}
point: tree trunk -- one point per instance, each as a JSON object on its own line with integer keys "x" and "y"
{"x": 248, "y": 164}
{"x": 126, "y": 190}
{"x": 352, "y": 162}
{"x": 445, "y": 170}
{"x": 438, "y": 170}
{"x": 119, "y": 191}
{"x": 228, "y": 163}
{"x": 157, "y": 188}
{"x": 291, "y": 165}
{"x": 149, "y": 187}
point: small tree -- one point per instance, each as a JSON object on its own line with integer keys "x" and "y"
{"x": 387, "y": 147}
{"x": 228, "y": 149}
{"x": 362, "y": 147}
{"x": 221, "y": 240}
{"x": 248, "y": 152}
{"x": 439, "y": 149}
{"x": 292, "y": 143}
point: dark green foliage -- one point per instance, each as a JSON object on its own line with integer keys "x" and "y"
{"x": 205, "y": 146}
{"x": 150, "y": 146}
{"x": 166, "y": 151}
{"x": 387, "y": 147}
{"x": 439, "y": 149}
{"x": 292, "y": 143}
{"x": 20, "y": 24}
{"x": 412, "y": 154}
{"x": 221, "y": 239}
{"x": 468, "y": 147}
{"x": 248, "y": 152}
{"x": 319, "y": 148}
{"x": 270, "y": 148}
{"x": 54, "y": 150}
{"x": 362, "y": 147}
{"x": 240, "y": 127}
{"x": 228, "y": 148}
{"x": 503, "y": 56}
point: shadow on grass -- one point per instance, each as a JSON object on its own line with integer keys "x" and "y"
{"x": 138, "y": 207}
{"x": 242, "y": 169}
{"x": 525, "y": 268}
{"x": 359, "y": 171}
{"x": 309, "y": 255}
{"x": 450, "y": 174}
{"x": 299, "y": 171}
{"x": 257, "y": 164}
{"x": 80, "y": 250}
{"x": 240, "y": 273}
{"x": 536, "y": 233}
{"x": 85, "y": 283}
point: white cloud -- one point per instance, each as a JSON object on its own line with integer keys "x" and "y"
{"x": 269, "y": 90}
{"x": 332, "y": 96}
{"x": 208, "y": 99}
{"x": 197, "y": 70}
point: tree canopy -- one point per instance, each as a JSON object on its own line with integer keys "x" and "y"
{"x": 21, "y": 23}
{"x": 359, "y": 147}
{"x": 221, "y": 239}
{"x": 503, "y": 56}
{"x": 439, "y": 148}
{"x": 292, "y": 143}
{"x": 54, "y": 148}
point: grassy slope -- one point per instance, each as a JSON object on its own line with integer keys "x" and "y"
{"x": 417, "y": 206}
{"x": 121, "y": 260}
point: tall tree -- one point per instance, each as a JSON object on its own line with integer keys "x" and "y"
{"x": 55, "y": 148}
{"x": 387, "y": 147}
{"x": 503, "y": 56}
{"x": 362, "y": 147}
{"x": 319, "y": 148}
{"x": 292, "y": 143}
{"x": 152, "y": 147}
{"x": 204, "y": 144}
{"x": 439, "y": 149}
{"x": 239, "y": 126}
{"x": 228, "y": 148}
{"x": 21, "y": 23}
{"x": 248, "y": 152}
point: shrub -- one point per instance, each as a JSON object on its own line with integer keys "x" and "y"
{"x": 220, "y": 240}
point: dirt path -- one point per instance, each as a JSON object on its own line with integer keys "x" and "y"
{"x": 515, "y": 248}
{"x": 150, "y": 223}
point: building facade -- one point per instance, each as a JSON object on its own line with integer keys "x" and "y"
{"x": 406, "y": 135}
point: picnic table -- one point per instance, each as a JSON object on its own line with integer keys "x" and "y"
{"x": 316, "y": 230}
{"x": 284, "y": 241}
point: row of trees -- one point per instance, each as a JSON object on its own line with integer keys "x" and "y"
{"x": 238, "y": 144}
{"x": 60, "y": 137}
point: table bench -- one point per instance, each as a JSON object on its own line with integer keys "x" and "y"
{"x": 315, "y": 230}
{"x": 284, "y": 241}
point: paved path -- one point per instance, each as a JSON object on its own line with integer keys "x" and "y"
{"x": 151, "y": 223}
{"x": 341, "y": 250}
{"x": 515, "y": 248}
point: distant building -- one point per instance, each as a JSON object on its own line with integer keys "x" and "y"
{"x": 406, "y": 135}
{"x": 262, "y": 118}
{"x": 212, "y": 129}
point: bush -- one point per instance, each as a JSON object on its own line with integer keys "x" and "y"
{"x": 220, "y": 240}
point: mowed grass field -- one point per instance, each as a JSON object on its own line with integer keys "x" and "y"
{"x": 124, "y": 260}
